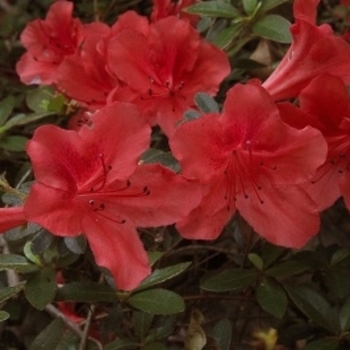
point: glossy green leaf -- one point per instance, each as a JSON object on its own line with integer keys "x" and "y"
{"x": 41, "y": 288}
{"x": 154, "y": 257}
{"x": 38, "y": 99}
{"x": 155, "y": 346}
{"x": 6, "y": 107}
{"x": 267, "y": 5}
{"x": 122, "y": 344}
{"x": 323, "y": 344}
{"x": 273, "y": 27}
{"x": 222, "y": 333}
{"x": 272, "y": 298}
{"x": 141, "y": 322}
{"x": 344, "y": 316}
{"x": 50, "y": 337}
{"x": 87, "y": 292}
{"x": 249, "y": 6}
{"x": 315, "y": 307}
{"x": 4, "y": 315}
{"x": 256, "y": 261}
{"x": 158, "y": 301}
{"x": 8, "y": 292}
{"x": 206, "y": 103}
{"x": 77, "y": 244}
{"x": 214, "y": 9}
{"x": 41, "y": 241}
{"x": 13, "y": 143}
{"x": 287, "y": 268}
{"x": 229, "y": 280}
{"x": 16, "y": 262}
{"x": 225, "y": 37}
{"x": 164, "y": 274}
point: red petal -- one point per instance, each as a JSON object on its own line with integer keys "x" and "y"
{"x": 11, "y": 218}
{"x": 288, "y": 217}
{"x": 200, "y": 147}
{"x": 121, "y": 134}
{"x": 306, "y": 10}
{"x": 60, "y": 158}
{"x": 171, "y": 197}
{"x": 54, "y": 209}
{"x": 315, "y": 50}
{"x": 118, "y": 248}
{"x": 209, "y": 219}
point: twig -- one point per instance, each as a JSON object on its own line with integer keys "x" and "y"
{"x": 53, "y": 311}
{"x": 86, "y": 328}
{"x": 6, "y": 6}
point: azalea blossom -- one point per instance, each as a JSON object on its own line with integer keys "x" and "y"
{"x": 166, "y": 8}
{"x": 11, "y": 217}
{"x": 171, "y": 64}
{"x": 315, "y": 50}
{"x": 249, "y": 160}
{"x": 48, "y": 42}
{"x": 90, "y": 182}
{"x": 325, "y": 105}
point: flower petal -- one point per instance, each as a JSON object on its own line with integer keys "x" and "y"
{"x": 118, "y": 248}
{"x": 287, "y": 217}
{"x": 157, "y": 196}
{"x": 11, "y": 218}
{"x": 53, "y": 209}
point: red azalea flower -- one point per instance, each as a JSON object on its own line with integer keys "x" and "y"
{"x": 248, "y": 159}
{"x": 88, "y": 67}
{"x": 315, "y": 50}
{"x": 172, "y": 63}
{"x": 166, "y": 8}
{"x": 48, "y": 42}
{"x": 325, "y": 105}
{"x": 11, "y": 217}
{"x": 90, "y": 182}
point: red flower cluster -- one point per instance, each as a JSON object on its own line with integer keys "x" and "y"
{"x": 276, "y": 163}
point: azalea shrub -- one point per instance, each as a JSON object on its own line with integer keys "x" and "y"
{"x": 175, "y": 174}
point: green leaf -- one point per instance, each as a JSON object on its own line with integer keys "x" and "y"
{"x": 249, "y": 6}
{"x": 158, "y": 301}
{"x": 8, "y": 292}
{"x": 38, "y": 99}
{"x": 76, "y": 245}
{"x": 256, "y": 261}
{"x": 41, "y": 288}
{"x": 270, "y": 253}
{"x": 224, "y": 38}
{"x": 6, "y": 107}
{"x": 314, "y": 306}
{"x": 206, "y": 103}
{"x": 344, "y": 316}
{"x": 13, "y": 143}
{"x": 154, "y": 257}
{"x": 287, "y": 268}
{"x": 272, "y": 298}
{"x": 86, "y": 292}
{"x": 4, "y": 315}
{"x": 229, "y": 280}
{"x": 273, "y": 27}
{"x": 222, "y": 332}
{"x": 16, "y": 262}
{"x": 27, "y": 250}
{"x": 142, "y": 322}
{"x": 121, "y": 344}
{"x": 50, "y": 337}
{"x": 41, "y": 241}
{"x": 323, "y": 344}
{"x": 155, "y": 346}
{"x": 164, "y": 274}
{"x": 267, "y": 5}
{"x": 213, "y": 9}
